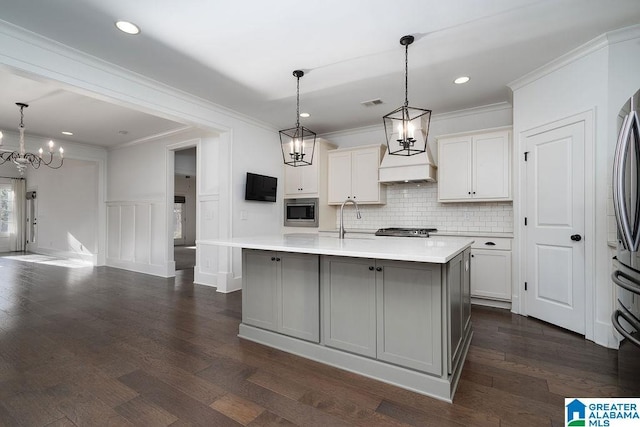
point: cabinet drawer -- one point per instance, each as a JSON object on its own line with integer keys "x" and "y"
{"x": 500, "y": 243}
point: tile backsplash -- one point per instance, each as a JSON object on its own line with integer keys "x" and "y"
{"x": 416, "y": 205}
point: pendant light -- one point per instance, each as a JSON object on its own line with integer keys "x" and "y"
{"x": 22, "y": 158}
{"x": 297, "y": 143}
{"x": 406, "y": 128}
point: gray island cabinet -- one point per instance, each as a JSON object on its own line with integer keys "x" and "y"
{"x": 406, "y": 323}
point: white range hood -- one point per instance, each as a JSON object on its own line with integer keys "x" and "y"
{"x": 398, "y": 169}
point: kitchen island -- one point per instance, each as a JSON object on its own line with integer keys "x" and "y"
{"x": 394, "y": 309}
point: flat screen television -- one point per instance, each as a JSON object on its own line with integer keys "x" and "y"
{"x": 260, "y": 187}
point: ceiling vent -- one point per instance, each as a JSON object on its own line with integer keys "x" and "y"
{"x": 372, "y": 102}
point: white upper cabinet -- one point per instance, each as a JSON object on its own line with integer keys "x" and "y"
{"x": 475, "y": 167}
{"x": 301, "y": 180}
{"x": 306, "y": 181}
{"x": 353, "y": 174}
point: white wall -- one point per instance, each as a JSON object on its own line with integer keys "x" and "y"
{"x": 67, "y": 209}
{"x": 185, "y": 162}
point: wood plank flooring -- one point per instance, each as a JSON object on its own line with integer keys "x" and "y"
{"x": 91, "y": 346}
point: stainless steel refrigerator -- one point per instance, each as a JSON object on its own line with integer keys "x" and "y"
{"x": 626, "y": 201}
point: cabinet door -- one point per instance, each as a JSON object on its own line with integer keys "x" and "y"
{"x": 349, "y": 304}
{"x": 409, "y": 315}
{"x": 310, "y": 178}
{"x": 301, "y": 180}
{"x": 364, "y": 175}
{"x": 339, "y": 170}
{"x": 491, "y": 274}
{"x": 292, "y": 180}
{"x": 259, "y": 289}
{"x": 491, "y": 166}
{"x": 299, "y": 296}
{"x": 454, "y": 168}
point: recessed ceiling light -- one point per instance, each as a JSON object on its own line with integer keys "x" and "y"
{"x": 127, "y": 27}
{"x": 65, "y": 132}
{"x": 461, "y": 80}
{"x": 305, "y": 115}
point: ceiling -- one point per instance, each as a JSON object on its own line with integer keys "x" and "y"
{"x": 241, "y": 55}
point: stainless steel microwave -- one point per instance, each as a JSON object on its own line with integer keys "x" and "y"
{"x": 300, "y": 212}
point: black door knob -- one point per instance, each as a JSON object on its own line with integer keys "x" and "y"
{"x": 576, "y": 237}
{"x": 378, "y": 268}
{"x": 370, "y": 268}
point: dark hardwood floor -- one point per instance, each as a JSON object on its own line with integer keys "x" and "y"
{"x": 101, "y": 346}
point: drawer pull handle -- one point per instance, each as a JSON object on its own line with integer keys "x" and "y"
{"x": 490, "y": 244}
{"x": 370, "y": 268}
{"x": 378, "y": 268}
{"x": 273, "y": 258}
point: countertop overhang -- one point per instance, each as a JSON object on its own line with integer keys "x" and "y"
{"x": 432, "y": 249}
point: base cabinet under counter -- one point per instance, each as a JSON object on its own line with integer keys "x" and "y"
{"x": 388, "y": 310}
{"x": 491, "y": 270}
{"x": 281, "y": 292}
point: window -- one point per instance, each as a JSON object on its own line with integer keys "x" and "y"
{"x": 177, "y": 220}
{"x": 6, "y": 208}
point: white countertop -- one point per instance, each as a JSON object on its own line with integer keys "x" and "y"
{"x": 433, "y": 249}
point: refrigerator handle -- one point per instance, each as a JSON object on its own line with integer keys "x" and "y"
{"x": 633, "y": 286}
{"x": 619, "y": 202}
{"x": 616, "y": 324}
{"x": 635, "y": 139}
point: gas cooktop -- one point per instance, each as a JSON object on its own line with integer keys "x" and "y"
{"x": 405, "y": 232}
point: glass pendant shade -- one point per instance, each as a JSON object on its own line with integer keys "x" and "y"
{"x": 297, "y": 143}
{"x": 407, "y": 128}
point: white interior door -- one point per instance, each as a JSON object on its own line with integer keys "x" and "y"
{"x": 554, "y": 235}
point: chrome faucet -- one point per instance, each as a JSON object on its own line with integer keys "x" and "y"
{"x": 341, "y": 232}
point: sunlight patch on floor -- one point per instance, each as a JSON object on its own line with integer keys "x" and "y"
{"x": 48, "y": 260}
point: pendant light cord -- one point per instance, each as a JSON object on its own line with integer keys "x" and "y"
{"x": 406, "y": 75}
{"x": 298, "y": 103}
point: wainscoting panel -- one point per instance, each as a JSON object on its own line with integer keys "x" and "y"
{"x": 137, "y": 238}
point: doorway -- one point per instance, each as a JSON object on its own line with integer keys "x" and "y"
{"x": 32, "y": 219}
{"x": 184, "y": 209}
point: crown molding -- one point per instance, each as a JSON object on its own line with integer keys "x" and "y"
{"x": 490, "y": 108}
{"x": 45, "y": 53}
{"x": 155, "y": 137}
{"x": 594, "y": 45}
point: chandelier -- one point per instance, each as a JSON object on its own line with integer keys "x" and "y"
{"x": 298, "y": 142}
{"x": 406, "y": 128}
{"x": 21, "y": 158}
